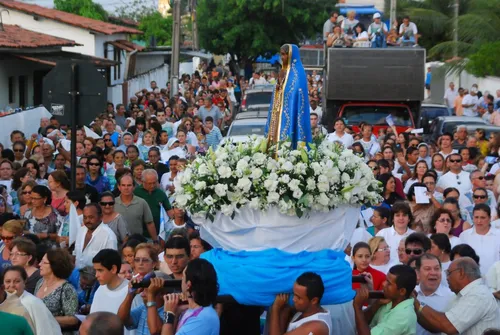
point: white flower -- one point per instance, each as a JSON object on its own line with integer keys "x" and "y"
{"x": 285, "y": 179}
{"x": 273, "y": 197}
{"x": 224, "y": 171}
{"x": 323, "y": 199}
{"x": 273, "y": 176}
{"x": 272, "y": 165}
{"x": 200, "y": 185}
{"x": 322, "y": 179}
{"x": 256, "y": 173}
{"x": 284, "y": 206}
{"x": 187, "y": 175}
{"x": 220, "y": 189}
{"x": 242, "y": 165}
{"x": 300, "y": 168}
{"x": 345, "y": 177}
{"x": 203, "y": 170}
{"x": 270, "y": 185}
{"x": 227, "y": 210}
{"x": 287, "y": 166}
{"x": 181, "y": 200}
{"x": 316, "y": 167}
{"x": 244, "y": 184}
{"x": 311, "y": 184}
{"x": 254, "y": 203}
{"x": 209, "y": 200}
{"x": 323, "y": 187}
{"x": 297, "y": 194}
{"x": 294, "y": 184}
{"x": 259, "y": 158}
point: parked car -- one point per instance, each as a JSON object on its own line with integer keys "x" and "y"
{"x": 488, "y": 129}
{"x": 428, "y": 112}
{"x": 448, "y": 124}
{"x": 257, "y": 99}
{"x": 246, "y": 125}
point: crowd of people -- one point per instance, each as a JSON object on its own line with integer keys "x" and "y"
{"x": 340, "y": 31}
{"x": 431, "y": 245}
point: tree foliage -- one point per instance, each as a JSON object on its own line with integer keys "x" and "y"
{"x": 485, "y": 61}
{"x": 137, "y": 9}
{"x": 86, "y": 8}
{"x": 157, "y": 26}
{"x": 254, "y": 27}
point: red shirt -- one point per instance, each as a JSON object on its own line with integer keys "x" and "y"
{"x": 378, "y": 278}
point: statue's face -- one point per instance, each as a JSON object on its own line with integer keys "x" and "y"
{"x": 284, "y": 57}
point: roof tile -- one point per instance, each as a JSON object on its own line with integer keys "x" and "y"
{"x": 17, "y": 37}
{"x": 68, "y": 18}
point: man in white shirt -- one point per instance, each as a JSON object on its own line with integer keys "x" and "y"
{"x": 449, "y": 97}
{"x": 113, "y": 289}
{"x": 257, "y": 79}
{"x": 470, "y": 102}
{"x": 445, "y": 143}
{"x": 92, "y": 237}
{"x": 314, "y": 108}
{"x": 329, "y": 24}
{"x": 408, "y": 30}
{"x": 472, "y": 311}
{"x": 456, "y": 177}
{"x": 483, "y": 238}
{"x": 430, "y": 292}
{"x": 339, "y": 135}
{"x": 377, "y": 31}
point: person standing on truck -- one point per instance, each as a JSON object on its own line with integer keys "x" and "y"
{"x": 329, "y": 24}
{"x": 349, "y": 24}
{"x": 449, "y": 97}
{"x": 408, "y": 31}
{"x": 428, "y": 79}
{"x": 339, "y": 135}
{"x": 378, "y": 32}
{"x": 459, "y": 110}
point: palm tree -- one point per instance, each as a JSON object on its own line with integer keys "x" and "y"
{"x": 478, "y": 24}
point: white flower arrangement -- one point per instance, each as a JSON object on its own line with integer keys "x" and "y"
{"x": 296, "y": 181}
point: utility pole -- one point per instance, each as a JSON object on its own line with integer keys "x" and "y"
{"x": 392, "y": 13}
{"x": 176, "y": 38}
{"x": 194, "y": 19}
{"x": 455, "y": 28}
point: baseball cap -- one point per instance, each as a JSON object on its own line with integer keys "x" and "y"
{"x": 376, "y": 16}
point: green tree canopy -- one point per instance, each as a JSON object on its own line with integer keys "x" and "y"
{"x": 86, "y": 8}
{"x": 485, "y": 61}
{"x": 155, "y": 25}
{"x": 249, "y": 28}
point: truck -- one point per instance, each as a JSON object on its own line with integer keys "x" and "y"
{"x": 368, "y": 84}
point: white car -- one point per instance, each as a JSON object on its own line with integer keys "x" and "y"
{"x": 245, "y": 126}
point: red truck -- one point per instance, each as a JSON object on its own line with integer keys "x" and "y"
{"x": 365, "y": 84}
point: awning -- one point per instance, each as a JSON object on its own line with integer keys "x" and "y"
{"x": 52, "y": 58}
{"x": 126, "y": 45}
{"x": 271, "y": 60}
{"x": 360, "y": 10}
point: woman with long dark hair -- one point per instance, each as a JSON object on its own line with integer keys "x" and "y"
{"x": 389, "y": 189}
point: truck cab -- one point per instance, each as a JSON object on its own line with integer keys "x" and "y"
{"x": 365, "y": 84}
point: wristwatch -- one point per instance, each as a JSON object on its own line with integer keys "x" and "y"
{"x": 422, "y": 305}
{"x": 169, "y": 318}
{"x": 151, "y": 304}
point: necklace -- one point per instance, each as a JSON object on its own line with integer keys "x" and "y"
{"x": 47, "y": 286}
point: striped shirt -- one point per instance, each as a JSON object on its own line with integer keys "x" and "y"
{"x": 213, "y": 138}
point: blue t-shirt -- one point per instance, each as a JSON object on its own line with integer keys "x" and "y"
{"x": 139, "y": 317}
{"x": 205, "y": 323}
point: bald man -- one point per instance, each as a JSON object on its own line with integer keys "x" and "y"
{"x": 102, "y": 323}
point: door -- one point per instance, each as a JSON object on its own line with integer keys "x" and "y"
{"x": 38, "y": 85}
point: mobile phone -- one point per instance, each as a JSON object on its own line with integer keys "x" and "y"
{"x": 491, "y": 159}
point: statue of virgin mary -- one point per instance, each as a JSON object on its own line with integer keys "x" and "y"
{"x": 288, "y": 117}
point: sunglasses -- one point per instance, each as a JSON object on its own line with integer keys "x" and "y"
{"x": 480, "y": 177}
{"x": 104, "y": 204}
{"x": 444, "y": 220}
{"x": 18, "y": 150}
{"x": 26, "y": 192}
{"x": 455, "y": 160}
{"x": 479, "y": 196}
{"x": 416, "y": 252}
{"x": 107, "y": 140}
{"x": 7, "y": 238}
{"x": 94, "y": 164}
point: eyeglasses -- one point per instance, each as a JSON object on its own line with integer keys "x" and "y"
{"x": 26, "y": 192}
{"x": 107, "y": 140}
{"x": 17, "y": 254}
{"x": 448, "y": 272}
{"x": 475, "y": 196}
{"x": 104, "y": 204}
{"x": 383, "y": 249}
{"x": 18, "y": 150}
{"x": 480, "y": 178}
{"x": 7, "y": 238}
{"x": 177, "y": 257}
{"x": 414, "y": 251}
{"x": 455, "y": 160}
{"x": 143, "y": 260}
{"x": 444, "y": 220}
{"x": 94, "y": 164}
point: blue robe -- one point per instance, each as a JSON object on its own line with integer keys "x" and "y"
{"x": 293, "y": 123}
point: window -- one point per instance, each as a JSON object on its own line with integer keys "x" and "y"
{"x": 117, "y": 54}
{"x": 248, "y": 129}
{"x": 375, "y": 115}
{"x": 12, "y": 92}
{"x": 22, "y": 91}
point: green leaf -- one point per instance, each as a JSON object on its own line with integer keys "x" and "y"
{"x": 299, "y": 212}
